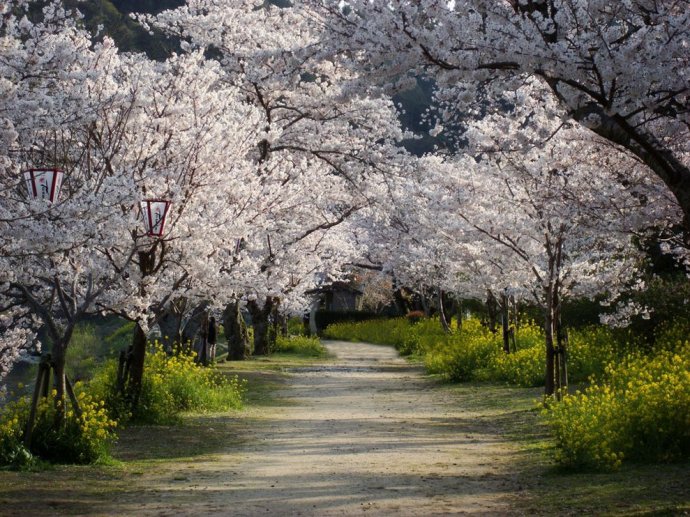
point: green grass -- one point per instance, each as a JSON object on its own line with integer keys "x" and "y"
{"x": 300, "y": 346}
{"x": 635, "y": 489}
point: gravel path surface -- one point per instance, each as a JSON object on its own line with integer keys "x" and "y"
{"x": 365, "y": 434}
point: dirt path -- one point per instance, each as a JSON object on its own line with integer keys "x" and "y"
{"x": 365, "y": 434}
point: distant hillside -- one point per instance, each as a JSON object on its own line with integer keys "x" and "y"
{"x": 129, "y": 36}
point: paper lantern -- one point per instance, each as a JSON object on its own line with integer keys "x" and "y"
{"x": 44, "y": 183}
{"x": 154, "y": 212}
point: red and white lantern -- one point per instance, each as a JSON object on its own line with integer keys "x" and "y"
{"x": 44, "y": 183}
{"x": 154, "y": 212}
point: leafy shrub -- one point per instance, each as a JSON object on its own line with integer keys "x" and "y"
{"x": 121, "y": 337}
{"x": 296, "y": 327}
{"x": 526, "y": 367}
{"x": 171, "y": 384}
{"x": 641, "y": 411}
{"x": 13, "y": 418}
{"x": 80, "y": 439}
{"x": 464, "y": 355}
{"x": 396, "y": 332}
{"x": 301, "y": 345}
{"x": 327, "y": 318}
{"x": 81, "y": 360}
{"x": 473, "y": 352}
{"x": 590, "y": 349}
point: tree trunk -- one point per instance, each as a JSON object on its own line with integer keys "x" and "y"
{"x": 550, "y": 377}
{"x": 40, "y": 390}
{"x": 58, "y": 355}
{"x": 261, "y": 324}
{"x": 59, "y": 358}
{"x": 491, "y": 311}
{"x": 193, "y": 325}
{"x": 516, "y": 322}
{"x": 274, "y": 325}
{"x": 401, "y": 305}
{"x": 203, "y": 340}
{"x": 426, "y": 307}
{"x": 137, "y": 355}
{"x": 283, "y": 322}
{"x": 313, "y": 327}
{"x": 442, "y": 312}
{"x": 236, "y": 332}
{"x": 561, "y": 350}
{"x": 457, "y": 309}
{"x": 137, "y": 350}
{"x": 505, "y": 322}
{"x": 170, "y": 323}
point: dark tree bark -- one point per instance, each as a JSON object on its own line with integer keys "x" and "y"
{"x": 491, "y": 311}
{"x": 457, "y": 309}
{"x": 236, "y": 332}
{"x": 170, "y": 323}
{"x": 516, "y": 322}
{"x": 274, "y": 325}
{"x": 137, "y": 356}
{"x": 203, "y": 357}
{"x": 402, "y": 306}
{"x": 561, "y": 348}
{"x": 137, "y": 350}
{"x": 194, "y": 325}
{"x": 445, "y": 324}
{"x": 283, "y": 323}
{"x": 505, "y": 321}
{"x": 261, "y": 324}
{"x": 556, "y": 379}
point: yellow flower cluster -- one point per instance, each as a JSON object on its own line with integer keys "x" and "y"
{"x": 94, "y": 422}
{"x": 174, "y": 383}
{"x": 78, "y": 437}
{"x": 641, "y": 410}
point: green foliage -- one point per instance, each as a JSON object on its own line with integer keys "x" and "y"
{"x": 590, "y": 349}
{"x": 526, "y": 367}
{"x": 92, "y": 343}
{"x": 13, "y": 418}
{"x": 296, "y": 327}
{"x": 475, "y": 353}
{"x": 172, "y": 384}
{"x": 81, "y": 358}
{"x": 300, "y": 345}
{"x": 121, "y": 337}
{"x": 641, "y": 411}
{"x": 326, "y": 318}
{"x": 396, "y": 332}
{"x": 79, "y": 438}
{"x": 464, "y": 355}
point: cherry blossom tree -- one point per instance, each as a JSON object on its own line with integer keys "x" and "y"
{"x": 125, "y": 129}
{"x": 50, "y": 69}
{"x": 166, "y": 145}
{"x": 548, "y": 220}
{"x": 619, "y": 69}
{"x": 325, "y": 149}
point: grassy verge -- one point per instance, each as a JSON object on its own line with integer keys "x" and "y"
{"x": 146, "y": 457}
{"x": 546, "y": 489}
